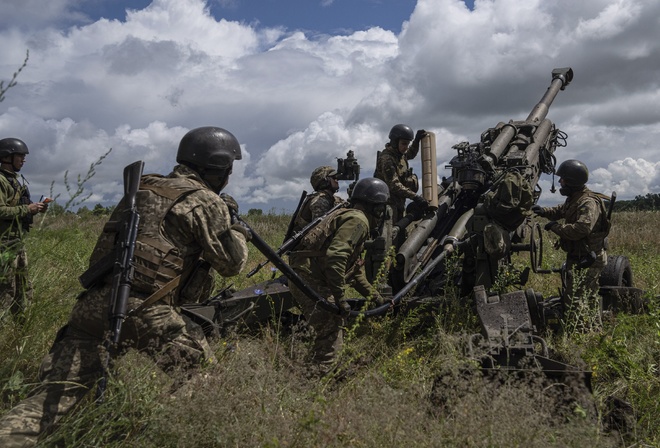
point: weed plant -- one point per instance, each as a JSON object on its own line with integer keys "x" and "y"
{"x": 403, "y": 379}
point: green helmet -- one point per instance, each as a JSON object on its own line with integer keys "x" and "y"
{"x": 209, "y": 148}
{"x": 574, "y": 173}
{"x": 370, "y": 190}
{"x": 319, "y": 177}
{"x": 11, "y": 146}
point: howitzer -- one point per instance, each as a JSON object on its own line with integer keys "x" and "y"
{"x": 122, "y": 273}
{"x": 293, "y": 241}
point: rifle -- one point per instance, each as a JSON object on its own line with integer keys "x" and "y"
{"x": 122, "y": 274}
{"x": 292, "y": 242}
{"x": 292, "y": 223}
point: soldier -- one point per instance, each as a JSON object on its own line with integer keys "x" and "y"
{"x": 582, "y": 235}
{"x": 325, "y": 184}
{"x": 16, "y": 214}
{"x": 392, "y": 167}
{"x": 182, "y": 217}
{"x": 328, "y": 259}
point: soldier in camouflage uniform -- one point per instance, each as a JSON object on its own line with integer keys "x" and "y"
{"x": 182, "y": 217}
{"x": 328, "y": 259}
{"x": 16, "y": 212}
{"x": 325, "y": 184}
{"x": 582, "y": 235}
{"x": 392, "y": 167}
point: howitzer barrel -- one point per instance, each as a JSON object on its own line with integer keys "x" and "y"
{"x": 561, "y": 77}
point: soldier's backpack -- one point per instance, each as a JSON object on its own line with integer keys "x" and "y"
{"x": 509, "y": 200}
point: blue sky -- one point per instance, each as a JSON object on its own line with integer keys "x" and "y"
{"x": 317, "y": 16}
{"x": 300, "y": 87}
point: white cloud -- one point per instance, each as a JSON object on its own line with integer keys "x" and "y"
{"x": 296, "y": 102}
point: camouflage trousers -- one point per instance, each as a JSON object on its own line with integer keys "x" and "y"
{"x": 328, "y": 326}
{"x": 15, "y": 287}
{"x": 582, "y": 285}
{"x": 74, "y": 364}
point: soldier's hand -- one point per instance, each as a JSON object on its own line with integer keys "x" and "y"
{"x": 550, "y": 225}
{"x": 240, "y": 227}
{"x": 420, "y": 134}
{"x": 419, "y": 200}
{"x": 231, "y": 203}
{"x": 37, "y": 207}
{"x": 538, "y": 210}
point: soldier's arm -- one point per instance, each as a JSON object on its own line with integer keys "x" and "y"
{"x": 224, "y": 248}
{"x": 391, "y": 178}
{"x": 587, "y": 216}
{"x": 350, "y": 234}
{"x": 7, "y": 212}
{"x": 554, "y": 213}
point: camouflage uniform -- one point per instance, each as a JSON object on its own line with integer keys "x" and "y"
{"x": 15, "y": 288}
{"x": 316, "y": 204}
{"x": 329, "y": 269}
{"x": 392, "y": 167}
{"x": 197, "y": 222}
{"x": 584, "y": 230}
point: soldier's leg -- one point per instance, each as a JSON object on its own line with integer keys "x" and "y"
{"x": 67, "y": 374}
{"x": 23, "y": 286}
{"x": 171, "y": 340}
{"x": 8, "y": 286}
{"x": 328, "y": 329}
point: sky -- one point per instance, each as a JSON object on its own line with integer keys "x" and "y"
{"x": 301, "y": 82}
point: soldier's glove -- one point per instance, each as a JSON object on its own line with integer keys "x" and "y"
{"x": 231, "y": 203}
{"x": 538, "y": 210}
{"x": 344, "y": 307}
{"x": 550, "y": 225}
{"x": 419, "y": 135}
{"x": 240, "y": 227}
{"x": 419, "y": 200}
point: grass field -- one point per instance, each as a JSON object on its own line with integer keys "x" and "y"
{"x": 405, "y": 381}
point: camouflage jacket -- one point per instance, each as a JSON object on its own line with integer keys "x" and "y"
{"x": 332, "y": 254}
{"x": 12, "y": 209}
{"x": 585, "y": 223}
{"x": 191, "y": 223}
{"x": 316, "y": 204}
{"x": 392, "y": 168}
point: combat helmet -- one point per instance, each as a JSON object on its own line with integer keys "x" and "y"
{"x": 11, "y": 146}
{"x": 319, "y": 177}
{"x": 371, "y": 191}
{"x": 401, "y": 131}
{"x": 574, "y": 173}
{"x": 209, "y": 148}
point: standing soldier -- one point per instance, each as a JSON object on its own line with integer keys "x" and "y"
{"x": 182, "y": 217}
{"x": 582, "y": 235}
{"x": 16, "y": 213}
{"x": 392, "y": 167}
{"x": 325, "y": 184}
{"x": 328, "y": 259}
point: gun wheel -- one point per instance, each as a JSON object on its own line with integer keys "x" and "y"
{"x": 536, "y": 247}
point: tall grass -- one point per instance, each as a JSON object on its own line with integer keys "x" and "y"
{"x": 403, "y": 379}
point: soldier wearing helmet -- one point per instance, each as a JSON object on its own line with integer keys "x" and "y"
{"x": 392, "y": 167}
{"x": 582, "y": 235}
{"x": 329, "y": 259}
{"x": 325, "y": 184}
{"x": 16, "y": 214}
{"x": 182, "y": 217}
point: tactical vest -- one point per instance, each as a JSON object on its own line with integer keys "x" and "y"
{"x": 304, "y": 216}
{"x": 20, "y": 196}
{"x": 156, "y": 260}
{"x": 595, "y": 241}
{"x": 317, "y": 241}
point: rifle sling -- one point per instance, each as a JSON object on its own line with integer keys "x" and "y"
{"x": 158, "y": 295}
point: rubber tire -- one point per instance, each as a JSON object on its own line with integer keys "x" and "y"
{"x": 618, "y": 272}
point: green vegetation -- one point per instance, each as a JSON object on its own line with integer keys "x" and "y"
{"x": 404, "y": 379}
